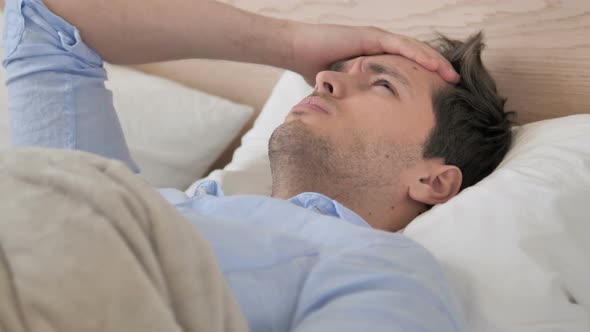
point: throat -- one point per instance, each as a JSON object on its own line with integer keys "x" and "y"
{"x": 293, "y": 183}
{"x": 365, "y": 201}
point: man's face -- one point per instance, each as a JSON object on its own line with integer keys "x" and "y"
{"x": 367, "y": 121}
{"x": 384, "y": 97}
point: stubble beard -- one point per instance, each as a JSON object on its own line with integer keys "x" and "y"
{"x": 303, "y": 161}
{"x": 297, "y": 158}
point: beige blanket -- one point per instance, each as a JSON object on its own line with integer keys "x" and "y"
{"x": 85, "y": 245}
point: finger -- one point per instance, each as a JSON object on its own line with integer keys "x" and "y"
{"x": 439, "y": 65}
{"x": 427, "y": 62}
{"x": 449, "y": 74}
{"x": 412, "y": 50}
{"x": 422, "y": 54}
{"x": 418, "y": 54}
{"x": 443, "y": 67}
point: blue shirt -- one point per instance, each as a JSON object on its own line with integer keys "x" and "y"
{"x": 307, "y": 264}
{"x": 311, "y": 264}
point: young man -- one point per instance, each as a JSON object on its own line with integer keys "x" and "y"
{"x": 381, "y": 139}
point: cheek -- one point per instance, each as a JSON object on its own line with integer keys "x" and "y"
{"x": 386, "y": 125}
{"x": 408, "y": 126}
{"x": 373, "y": 114}
{"x": 378, "y": 119}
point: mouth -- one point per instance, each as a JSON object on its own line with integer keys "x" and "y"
{"x": 312, "y": 104}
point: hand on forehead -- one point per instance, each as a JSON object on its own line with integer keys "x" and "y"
{"x": 315, "y": 47}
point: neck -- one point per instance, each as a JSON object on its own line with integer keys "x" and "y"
{"x": 366, "y": 199}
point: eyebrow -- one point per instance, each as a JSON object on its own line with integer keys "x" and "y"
{"x": 376, "y": 68}
{"x": 392, "y": 72}
{"x": 338, "y": 65}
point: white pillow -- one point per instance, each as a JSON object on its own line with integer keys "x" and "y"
{"x": 174, "y": 133}
{"x": 514, "y": 245}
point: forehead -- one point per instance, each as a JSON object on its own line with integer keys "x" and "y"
{"x": 417, "y": 77}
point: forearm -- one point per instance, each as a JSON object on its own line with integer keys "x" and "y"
{"x": 139, "y": 31}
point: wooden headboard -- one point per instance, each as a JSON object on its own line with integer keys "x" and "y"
{"x": 538, "y": 50}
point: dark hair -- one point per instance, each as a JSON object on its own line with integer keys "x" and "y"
{"x": 472, "y": 131}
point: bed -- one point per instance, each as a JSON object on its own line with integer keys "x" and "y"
{"x": 515, "y": 246}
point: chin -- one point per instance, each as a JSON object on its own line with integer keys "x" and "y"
{"x": 288, "y": 132}
{"x": 296, "y": 139}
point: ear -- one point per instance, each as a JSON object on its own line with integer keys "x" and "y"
{"x": 438, "y": 186}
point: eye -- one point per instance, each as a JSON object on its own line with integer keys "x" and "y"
{"x": 385, "y": 84}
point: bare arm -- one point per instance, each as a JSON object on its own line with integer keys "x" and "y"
{"x": 139, "y": 31}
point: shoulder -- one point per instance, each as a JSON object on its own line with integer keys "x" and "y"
{"x": 390, "y": 253}
{"x": 392, "y": 279}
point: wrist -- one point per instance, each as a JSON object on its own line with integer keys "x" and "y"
{"x": 295, "y": 34}
{"x": 280, "y": 50}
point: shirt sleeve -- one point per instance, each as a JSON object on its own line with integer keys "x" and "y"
{"x": 55, "y": 85}
{"x": 378, "y": 288}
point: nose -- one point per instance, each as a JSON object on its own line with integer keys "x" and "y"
{"x": 330, "y": 83}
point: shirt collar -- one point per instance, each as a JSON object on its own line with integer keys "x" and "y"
{"x": 209, "y": 187}
{"x": 329, "y": 207}
{"x": 311, "y": 201}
